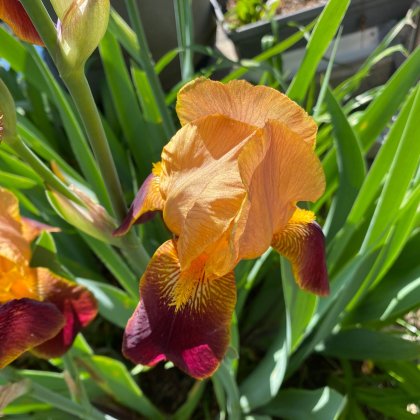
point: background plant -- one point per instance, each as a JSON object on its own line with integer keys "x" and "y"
{"x": 353, "y": 354}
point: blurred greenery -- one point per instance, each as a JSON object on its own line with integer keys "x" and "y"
{"x": 352, "y": 355}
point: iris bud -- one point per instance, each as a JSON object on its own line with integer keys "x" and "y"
{"x": 80, "y": 29}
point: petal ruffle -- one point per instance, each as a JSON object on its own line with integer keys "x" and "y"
{"x": 25, "y": 323}
{"x": 201, "y": 182}
{"x": 14, "y": 14}
{"x": 182, "y": 317}
{"x": 240, "y": 100}
{"x": 303, "y": 243}
{"x": 76, "y": 304}
{"x": 278, "y": 171}
{"x": 146, "y": 203}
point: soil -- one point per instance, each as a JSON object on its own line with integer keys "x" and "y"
{"x": 290, "y": 6}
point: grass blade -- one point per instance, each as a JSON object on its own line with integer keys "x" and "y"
{"x": 321, "y": 36}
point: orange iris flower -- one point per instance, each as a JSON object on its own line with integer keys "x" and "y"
{"x": 227, "y": 185}
{"x": 14, "y": 14}
{"x": 39, "y": 311}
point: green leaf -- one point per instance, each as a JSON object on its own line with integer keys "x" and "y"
{"x": 115, "y": 264}
{"x": 331, "y": 309}
{"x": 397, "y": 293}
{"x": 114, "y": 304}
{"x": 143, "y": 146}
{"x": 301, "y": 404}
{"x": 327, "y": 76}
{"x": 321, "y": 36}
{"x": 45, "y": 255}
{"x": 114, "y": 379}
{"x": 407, "y": 158}
{"x": 225, "y": 376}
{"x": 265, "y": 55}
{"x": 263, "y": 383}
{"x": 351, "y": 167}
{"x": 362, "y": 344}
{"x": 9, "y": 180}
{"x": 300, "y": 305}
{"x": 380, "y": 111}
{"x": 381, "y": 164}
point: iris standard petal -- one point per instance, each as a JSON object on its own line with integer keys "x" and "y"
{"x": 182, "y": 317}
{"x": 146, "y": 203}
{"x": 278, "y": 171}
{"x": 303, "y": 243}
{"x": 14, "y": 14}
{"x": 201, "y": 183}
{"x": 25, "y": 323}
{"x": 240, "y": 100}
{"x": 76, "y": 304}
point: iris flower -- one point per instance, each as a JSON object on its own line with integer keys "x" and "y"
{"x": 228, "y": 185}
{"x": 39, "y": 311}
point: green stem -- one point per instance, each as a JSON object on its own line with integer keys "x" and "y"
{"x": 148, "y": 66}
{"x": 79, "y": 394}
{"x": 225, "y": 376}
{"x": 41, "y": 169}
{"x": 44, "y": 25}
{"x": 80, "y": 91}
{"x": 185, "y": 35}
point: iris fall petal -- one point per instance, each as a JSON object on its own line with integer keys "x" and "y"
{"x": 303, "y": 243}
{"x": 147, "y": 202}
{"x": 24, "y": 324}
{"x": 182, "y": 316}
{"x": 76, "y": 304}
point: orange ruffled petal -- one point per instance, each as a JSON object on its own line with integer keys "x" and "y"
{"x": 303, "y": 243}
{"x": 278, "y": 171}
{"x": 182, "y": 316}
{"x": 14, "y": 14}
{"x": 201, "y": 183}
{"x": 240, "y": 100}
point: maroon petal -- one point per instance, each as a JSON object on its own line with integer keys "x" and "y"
{"x": 14, "y": 14}
{"x": 303, "y": 243}
{"x": 146, "y": 203}
{"x": 75, "y": 302}
{"x": 24, "y": 324}
{"x": 182, "y": 317}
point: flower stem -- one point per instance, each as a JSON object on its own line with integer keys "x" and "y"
{"x": 147, "y": 62}
{"x": 80, "y": 91}
{"x": 44, "y": 25}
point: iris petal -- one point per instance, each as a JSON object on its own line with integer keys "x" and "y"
{"x": 25, "y": 323}
{"x": 76, "y": 304}
{"x": 182, "y": 316}
{"x": 14, "y": 14}
{"x": 240, "y": 100}
{"x": 303, "y": 243}
{"x": 277, "y": 170}
{"x": 146, "y": 203}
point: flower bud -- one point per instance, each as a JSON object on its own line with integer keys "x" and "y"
{"x": 80, "y": 29}
{"x": 7, "y": 114}
{"x": 61, "y": 6}
{"x": 91, "y": 219}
